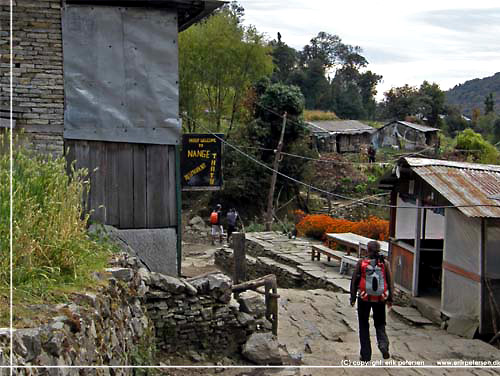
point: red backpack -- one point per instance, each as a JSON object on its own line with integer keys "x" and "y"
{"x": 373, "y": 284}
{"x": 214, "y": 218}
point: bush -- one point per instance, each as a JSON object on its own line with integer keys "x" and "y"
{"x": 316, "y": 226}
{"x": 51, "y": 248}
{"x": 478, "y": 148}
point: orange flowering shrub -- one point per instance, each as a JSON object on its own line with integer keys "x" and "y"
{"x": 316, "y": 226}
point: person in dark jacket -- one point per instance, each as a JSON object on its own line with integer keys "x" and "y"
{"x": 232, "y": 217}
{"x": 378, "y": 307}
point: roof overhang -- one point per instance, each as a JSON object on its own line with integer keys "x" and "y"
{"x": 189, "y": 11}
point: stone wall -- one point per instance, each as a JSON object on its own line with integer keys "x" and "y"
{"x": 108, "y": 327}
{"x": 136, "y": 313}
{"x": 38, "y": 84}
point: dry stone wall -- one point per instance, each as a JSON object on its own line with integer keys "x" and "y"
{"x": 136, "y": 314}
{"x": 38, "y": 84}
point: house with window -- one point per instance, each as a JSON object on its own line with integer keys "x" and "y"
{"x": 445, "y": 238}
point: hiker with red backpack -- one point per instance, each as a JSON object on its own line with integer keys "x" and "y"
{"x": 215, "y": 222}
{"x": 372, "y": 286}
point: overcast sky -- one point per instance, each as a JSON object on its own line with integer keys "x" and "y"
{"x": 442, "y": 41}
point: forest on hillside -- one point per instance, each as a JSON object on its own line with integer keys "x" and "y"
{"x": 234, "y": 80}
{"x": 471, "y": 94}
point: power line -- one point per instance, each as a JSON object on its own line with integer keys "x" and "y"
{"x": 362, "y": 200}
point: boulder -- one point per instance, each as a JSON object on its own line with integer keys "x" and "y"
{"x": 122, "y": 274}
{"x": 262, "y": 349}
{"x": 252, "y": 303}
{"x": 196, "y": 220}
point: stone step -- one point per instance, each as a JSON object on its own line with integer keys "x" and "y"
{"x": 411, "y": 315}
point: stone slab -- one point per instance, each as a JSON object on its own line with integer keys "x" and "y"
{"x": 157, "y": 248}
{"x": 412, "y": 315}
{"x": 342, "y": 283}
{"x": 462, "y": 326}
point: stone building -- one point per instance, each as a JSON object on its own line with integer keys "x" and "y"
{"x": 340, "y": 136}
{"x": 97, "y": 81}
{"x": 406, "y": 136}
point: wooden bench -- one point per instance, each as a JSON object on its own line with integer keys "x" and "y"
{"x": 317, "y": 250}
{"x": 347, "y": 261}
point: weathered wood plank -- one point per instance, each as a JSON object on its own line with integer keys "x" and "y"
{"x": 157, "y": 189}
{"x": 98, "y": 166}
{"x": 112, "y": 185}
{"x": 139, "y": 186}
{"x": 171, "y": 198}
{"x": 82, "y": 160}
{"x": 126, "y": 185}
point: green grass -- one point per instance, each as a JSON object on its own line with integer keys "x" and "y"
{"x": 52, "y": 253}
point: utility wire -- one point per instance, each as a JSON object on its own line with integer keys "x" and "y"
{"x": 362, "y": 200}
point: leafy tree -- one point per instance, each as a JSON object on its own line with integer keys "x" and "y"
{"x": 219, "y": 59}
{"x": 489, "y": 103}
{"x": 480, "y": 149}
{"x": 400, "y": 102}
{"x": 455, "y": 122}
{"x": 284, "y": 60}
{"x": 431, "y": 102}
{"x": 242, "y": 175}
{"x": 496, "y": 130}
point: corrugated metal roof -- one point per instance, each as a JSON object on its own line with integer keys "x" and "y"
{"x": 462, "y": 184}
{"x": 418, "y": 127}
{"x": 340, "y": 126}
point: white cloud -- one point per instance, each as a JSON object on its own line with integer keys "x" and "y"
{"x": 444, "y": 41}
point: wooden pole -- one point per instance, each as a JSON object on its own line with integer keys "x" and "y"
{"x": 416, "y": 255}
{"x": 269, "y": 214}
{"x": 240, "y": 264}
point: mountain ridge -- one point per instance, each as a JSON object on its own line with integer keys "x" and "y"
{"x": 472, "y": 93}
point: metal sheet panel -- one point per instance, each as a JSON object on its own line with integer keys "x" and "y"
{"x": 465, "y": 186}
{"x": 121, "y": 74}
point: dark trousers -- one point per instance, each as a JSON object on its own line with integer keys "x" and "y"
{"x": 364, "y": 327}
{"x": 230, "y": 230}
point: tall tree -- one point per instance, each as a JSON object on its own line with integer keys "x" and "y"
{"x": 400, "y": 102}
{"x": 219, "y": 59}
{"x": 431, "y": 102}
{"x": 489, "y": 104}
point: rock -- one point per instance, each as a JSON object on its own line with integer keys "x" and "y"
{"x": 463, "y": 327}
{"x": 167, "y": 283}
{"x": 54, "y": 345}
{"x": 262, "y": 349}
{"x": 196, "y": 357}
{"x": 252, "y": 303}
{"x": 122, "y": 274}
{"x": 31, "y": 340}
{"x": 190, "y": 289}
{"x": 196, "y": 220}
{"x": 245, "y": 319}
{"x": 219, "y": 281}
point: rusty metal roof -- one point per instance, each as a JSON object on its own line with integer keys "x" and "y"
{"x": 462, "y": 184}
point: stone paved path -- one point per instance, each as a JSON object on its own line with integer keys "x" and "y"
{"x": 319, "y": 327}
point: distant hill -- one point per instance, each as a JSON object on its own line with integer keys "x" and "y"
{"x": 471, "y": 94}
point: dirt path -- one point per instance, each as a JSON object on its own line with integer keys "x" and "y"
{"x": 198, "y": 258}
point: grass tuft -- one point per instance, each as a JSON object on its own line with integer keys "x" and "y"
{"x": 52, "y": 252}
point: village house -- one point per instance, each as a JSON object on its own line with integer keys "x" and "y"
{"x": 404, "y": 135}
{"x": 98, "y": 82}
{"x": 340, "y": 136}
{"x": 445, "y": 238}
